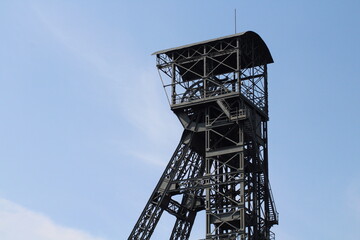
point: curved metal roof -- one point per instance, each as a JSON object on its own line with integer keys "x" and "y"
{"x": 243, "y": 36}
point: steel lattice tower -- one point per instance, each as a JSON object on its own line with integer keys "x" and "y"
{"x": 218, "y": 90}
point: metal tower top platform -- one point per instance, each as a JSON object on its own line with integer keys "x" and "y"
{"x": 218, "y": 68}
{"x": 217, "y": 45}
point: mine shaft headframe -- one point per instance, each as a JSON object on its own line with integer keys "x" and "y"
{"x": 218, "y": 90}
{"x": 219, "y": 68}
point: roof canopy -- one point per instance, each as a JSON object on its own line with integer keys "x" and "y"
{"x": 190, "y": 58}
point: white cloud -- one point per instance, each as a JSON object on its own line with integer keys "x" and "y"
{"x": 74, "y": 39}
{"x": 19, "y": 223}
{"x": 138, "y": 93}
{"x": 145, "y": 106}
{"x": 150, "y": 158}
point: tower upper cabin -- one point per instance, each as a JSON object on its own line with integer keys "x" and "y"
{"x": 226, "y": 67}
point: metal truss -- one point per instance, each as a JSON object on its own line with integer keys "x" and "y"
{"x": 185, "y": 163}
{"x": 218, "y": 90}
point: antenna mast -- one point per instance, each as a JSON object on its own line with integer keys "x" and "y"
{"x": 235, "y": 21}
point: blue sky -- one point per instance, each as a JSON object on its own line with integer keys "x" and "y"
{"x": 86, "y": 130}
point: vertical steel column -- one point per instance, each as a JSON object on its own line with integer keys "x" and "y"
{"x": 224, "y": 203}
{"x": 173, "y": 81}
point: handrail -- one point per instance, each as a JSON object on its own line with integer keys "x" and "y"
{"x": 273, "y": 204}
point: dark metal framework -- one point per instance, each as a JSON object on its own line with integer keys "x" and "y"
{"x": 218, "y": 90}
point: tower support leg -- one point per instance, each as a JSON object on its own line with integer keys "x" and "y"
{"x": 159, "y": 199}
